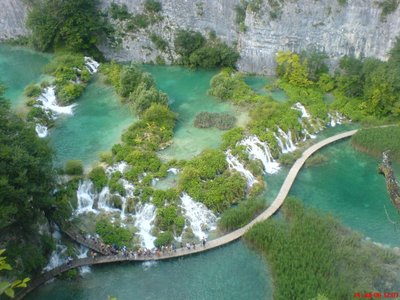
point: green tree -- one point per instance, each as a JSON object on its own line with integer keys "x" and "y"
{"x": 8, "y": 287}
{"x": 26, "y": 171}
{"x": 73, "y": 24}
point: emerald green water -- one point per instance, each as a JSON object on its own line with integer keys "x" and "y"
{"x": 96, "y": 125}
{"x": 258, "y": 83}
{"x": 18, "y": 68}
{"x": 187, "y": 91}
{"x": 349, "y": 187}
{"x": 230, "y": 272}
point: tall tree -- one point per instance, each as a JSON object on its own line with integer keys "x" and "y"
{"x": 26, "y": 176}
{"x": 73, "y": 24}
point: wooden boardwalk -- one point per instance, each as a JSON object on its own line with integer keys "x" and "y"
{"x": 218, "y": 242}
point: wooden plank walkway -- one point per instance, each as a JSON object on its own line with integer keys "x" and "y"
{"x": 218, "y": 242}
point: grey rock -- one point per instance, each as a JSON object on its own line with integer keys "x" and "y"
{"x": 355, "y": 28}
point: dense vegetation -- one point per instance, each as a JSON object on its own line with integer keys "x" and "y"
{"x": 241, "y": 214}
{"x": 129, "y": 22}
{"x": 197, "y": 51}
{"x": 76, "y": 25}
{"x": 223, "y": 121}
{"x": 377, "y": 140}
{"x": 27, "y": 183}
{"x": 207, "y": 179}
{"x": 113, "y": 234}
{"x": 313, "y": 254}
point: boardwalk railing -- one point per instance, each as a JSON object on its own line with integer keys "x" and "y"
{"x": 223, "y": 240}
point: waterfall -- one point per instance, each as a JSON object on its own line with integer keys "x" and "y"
{"x": 174, "y": 171}
{"x": 83, "y": 251}
{"x": 48, "y": 102}
{"x": 300, "y": 107}
{"x": 260, "y": 150}
{"x": 307, "y": 134}
{"x": 58, "y": 256}
{"x": 121, "y": 167}
{"x": 41, "y": 130}
{"x": 202, "y": 220}
{"x": 145, "y": 216}
{"x": 285, "y": 141}
{"x": 335, "y": 118}
{"x": 91, "y": 65}
{"x": 86, "y": 196}
{"x": 235, "y": 164}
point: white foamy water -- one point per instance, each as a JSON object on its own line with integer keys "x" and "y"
{"x": 91, "y": 65}
{"x": 86, "y": 195}
{"x": 202, "y": 220}
{"x": 260, "y": 150}
{"x": 235, "y": 164}
{"x": 285, "y": 141}
{"x": 300, "y": 107}
{"x": 121, "y": 166}
{"x": 48, "y": 102}
{"x": 57, "y": 258}
{"x": 83, "y": 253}
{"x": 145, "y": 217}
{"x": 335, "y": 118}
{"x": 41, "y": 130}
{"x": 174, "y": 171}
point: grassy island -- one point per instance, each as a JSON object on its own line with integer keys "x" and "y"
{"x": 374, "y": 141}
{"x": 311, "y": 254}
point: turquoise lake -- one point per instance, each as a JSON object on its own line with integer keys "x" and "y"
{"x": 347, "y": 186}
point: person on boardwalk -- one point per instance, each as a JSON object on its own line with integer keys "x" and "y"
{"x": 204, "y": 242}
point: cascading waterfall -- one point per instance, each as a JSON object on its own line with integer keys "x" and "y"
{"x": 174, "y": 171}
{"x": 121, "y": 167}
{"x": 202, "y": 220}
{"x": 260, "y": 150}
{"x": 86, "y": 195}
{"x": 83, "y": 253}
{"x": 235, "y": 164}
{"x": 335, "y": 118}
{"x": 41, "y": 130}
{"x": 285, "y": 141}
{"x": 91, "y": 65}
{"x": 58, "y": 256}
{"x": 48, "y": 102}
{"x": 145, "y": 216}
{"x": 300, "y": 107}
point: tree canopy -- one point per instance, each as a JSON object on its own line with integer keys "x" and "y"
{"x": 73, "y": 24}
{"x": 26, "y": 176}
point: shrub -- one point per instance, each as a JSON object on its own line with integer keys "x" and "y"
{"x": 73, "y": 167}
{"x": 163, "y": 239}
{"x": 152, "y": 6}
{"x": 159, "y": 42}
{"x": 196, "y": 51}
{"x": 113, "y": 234}
{"x": 32, "y": 91}
{"x": 119, "y": 12}
{"x": 98, "y": 176}
{"x": 232, "y": 137}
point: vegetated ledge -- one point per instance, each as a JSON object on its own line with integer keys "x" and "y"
{"x": 376, "y": 140}
{"x": 385, "y": 168}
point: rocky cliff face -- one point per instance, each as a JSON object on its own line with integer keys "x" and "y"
{"x": 12, "y": 19}
{"x": 354, "y": 28}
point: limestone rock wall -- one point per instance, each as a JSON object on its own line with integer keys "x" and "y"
{"x": 12, "y": 19}
{"x": 355, "y": 28}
